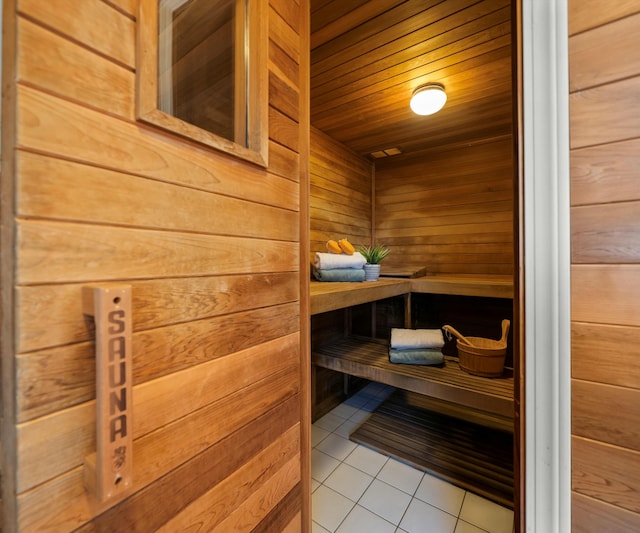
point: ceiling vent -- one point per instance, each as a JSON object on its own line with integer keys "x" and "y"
{"x": 385, "y": 153}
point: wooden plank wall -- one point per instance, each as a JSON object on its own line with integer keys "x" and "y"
{"x": 340, "y": 193}
{"x": 449, "y": 210}
{"x": 604, "y": 48}
{"x": 211, "y": 248}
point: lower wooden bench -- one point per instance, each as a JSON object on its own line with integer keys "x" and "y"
{"x": 370, "y": 360}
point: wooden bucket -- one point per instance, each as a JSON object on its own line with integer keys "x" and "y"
{"x": 480, "y": 356}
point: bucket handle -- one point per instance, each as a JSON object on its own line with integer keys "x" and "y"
{"x": 451, "y": 332}
{"x": 505, "y": 330}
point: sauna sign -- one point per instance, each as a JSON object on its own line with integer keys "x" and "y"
{"x": 108, "y": 472}
{"x": 117, "y": 381}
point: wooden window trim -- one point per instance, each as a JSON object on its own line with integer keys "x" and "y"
{"x": 147, "y": 109}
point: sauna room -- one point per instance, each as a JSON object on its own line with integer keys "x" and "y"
{"x": 508, "y": 205}
{"x": 236, "y": 353}
{"x": 437, "y": 191}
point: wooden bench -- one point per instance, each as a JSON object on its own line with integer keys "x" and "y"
{"x": 368, "y": 358}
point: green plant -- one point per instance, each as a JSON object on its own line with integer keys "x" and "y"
{"x": 374, "y": 254}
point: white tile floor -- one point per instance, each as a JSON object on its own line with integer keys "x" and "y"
{"x": 358, "y": 490}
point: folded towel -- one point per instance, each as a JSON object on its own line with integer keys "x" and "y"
{"x": 404, "y": 339}
{"x": 339, "y": 274}
{"x": 326, "y": 261}
{"x": 416, "y": 357}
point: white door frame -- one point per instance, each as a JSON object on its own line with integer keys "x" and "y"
{"x": 547, "y": 266}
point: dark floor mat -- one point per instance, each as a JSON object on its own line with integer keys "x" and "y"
{"x": 469, "y": 455}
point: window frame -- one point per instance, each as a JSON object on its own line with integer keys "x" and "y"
{"x": 257, "y": 87}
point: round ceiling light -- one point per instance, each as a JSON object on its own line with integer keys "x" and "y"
{"x": 428, "y": 99}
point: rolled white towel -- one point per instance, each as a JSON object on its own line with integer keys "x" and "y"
{"x": 405, "y": 339}
{"x": 327, "y": 261}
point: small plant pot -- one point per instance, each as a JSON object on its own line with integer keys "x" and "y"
{"x": 371, "y": 272}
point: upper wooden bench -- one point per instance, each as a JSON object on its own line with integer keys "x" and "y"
{"x": 328, "y": 296}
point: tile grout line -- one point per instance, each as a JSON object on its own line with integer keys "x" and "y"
{"x": 365, "y": 409}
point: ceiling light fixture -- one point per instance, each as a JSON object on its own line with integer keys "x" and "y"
{"x": 428, "y": 99}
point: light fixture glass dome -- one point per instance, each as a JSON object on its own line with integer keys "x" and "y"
{"x": 428, "y": 99}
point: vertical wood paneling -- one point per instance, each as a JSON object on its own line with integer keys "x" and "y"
{"x": 604, "y": 108}
{"x": 211, "y": 246}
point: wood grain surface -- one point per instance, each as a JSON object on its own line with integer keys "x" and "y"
{"x": 604, "y": 103}
{"x": 210, "y": 246}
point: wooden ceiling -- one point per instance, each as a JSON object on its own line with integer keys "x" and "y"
{"x": 368, "y": 56}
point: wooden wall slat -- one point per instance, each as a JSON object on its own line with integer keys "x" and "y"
{"x": 288, "y": 11}
{"x": 49, "y": 315}
{"x": 448, "y": 217}
{"x": 605, "y": 114}
{"x": 61, "y": 503}
{"x": 87, "y": 25}
{"x": 615, "y": 480}
{"x": 47, "y": 385}
{"x": 94, "y": 138}
{"x": 284, "y": 162}
{"x": 607, "y": 173}
{"x": 606, "y": 413}
{"x": 605, "y": 353}
{"x": 491, "y": 211}
{"x": 340, "y": 194}
{"x": 128, "y": 7}
{"x": 322, "y": 197}
{"x": 256, "y": 507}
{"x": 456, "y": 195}
{"x": 589, "y": 65}
{"x": 587, "y": 14}
{"x": 38, "y": 436}
{"x": 284, "y": 35}
{"x": 332, "y": 157}
{"x": 173, "y": 347}
{"x": 106, "y": 85}
{"x": 281, "y": 64}
{"x": 284, "y": 97}
{"x": 216, "y": 355}
{"x": 276, "y": 520}
{"x": 283, "y": 130}
{"x": 605, "y": 294}
{"x": 595, "y": 516}
{"x": 606, "y": 233}
{"x": 212, "y": 508}
{"x": 103, "y": 196}
{"x": 153, "y": 505}
{"x": 99, "y": 253}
